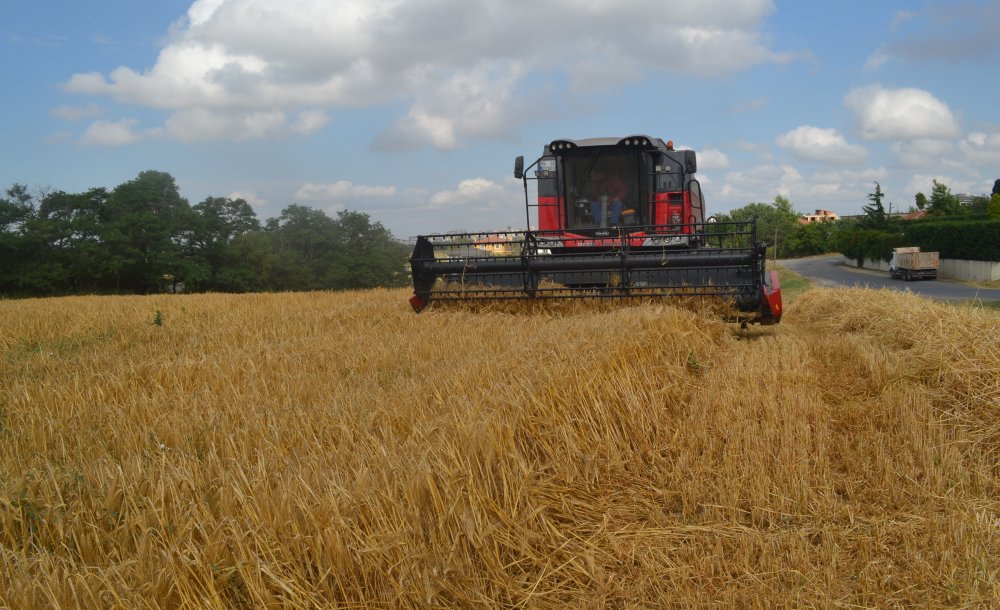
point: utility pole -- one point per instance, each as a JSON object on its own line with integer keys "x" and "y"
{"x": 775, "y": 243}
{"x": 776, "y": 216}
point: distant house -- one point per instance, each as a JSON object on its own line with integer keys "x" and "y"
{"x": 497, "y": 245}
{"x": 965, "y": 199}
{"x": 915, "y": 215}
{"x": 819, "y": 216}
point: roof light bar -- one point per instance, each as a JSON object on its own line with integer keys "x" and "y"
{"x": 562, "y": 145}
{"x": 641, "y": 141}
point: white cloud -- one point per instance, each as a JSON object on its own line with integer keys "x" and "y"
{"x": 472, "y": 193}
{"x": 841, "y": 191}
{"x": 818, "y": 144}
{"x": 982, "y": 148}
{"x": 419, "y": 128}
{"x": 202, "y": 124}
{"x": 924, "y": 183}
{"x": 475, "y": 204}
{"x": 476, "y": 103}
{"x": 711, "y": 158}
{"x": 75, "y": 113}
{"x": 111, "y": 133}
{"x": 342, "y": 190}
{"x": 602, "y": 71}
{"x": 947, "y": 31}
{"x": 90, "y": 82}
{"x": 877, "y": 59}
{"x": 900, "y": 114}
{"x": 210, "y": 124}
{"x": 236, "y": 69}
{"x": 925, "y": 153}
{"x": 251, "y": 197}
{"x": 310, "y": 121}
{"x": 202, "y": 10}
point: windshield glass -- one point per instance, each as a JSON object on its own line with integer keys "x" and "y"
{"x": 603, "y": 188}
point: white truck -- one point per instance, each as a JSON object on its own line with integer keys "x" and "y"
{"x": 911, "y": 264}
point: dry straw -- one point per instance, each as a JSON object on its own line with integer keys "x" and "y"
{"x": 336, "y": 450}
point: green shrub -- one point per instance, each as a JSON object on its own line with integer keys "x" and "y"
{"x": 858, "y": 244}
{"x": 968, "y": 240}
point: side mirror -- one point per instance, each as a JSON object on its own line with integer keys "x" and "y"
{"x": 519, "y": 167}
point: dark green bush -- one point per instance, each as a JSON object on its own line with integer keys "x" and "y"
{"x": 977, "y": 240}
{"x": 857, "y": 244}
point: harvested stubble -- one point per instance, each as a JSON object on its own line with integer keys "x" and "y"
{"x": 336, "y": 450}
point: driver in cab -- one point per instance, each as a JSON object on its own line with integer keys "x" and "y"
{"x": 610, "y": 190}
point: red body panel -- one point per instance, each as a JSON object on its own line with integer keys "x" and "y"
{"x": 552, "y": 219}
{"x": 663, "y": 210}
{"x": 551, "y": 213}
{"x": 772, "y": 299}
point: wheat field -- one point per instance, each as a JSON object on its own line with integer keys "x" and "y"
{"x": 336, "y": 450}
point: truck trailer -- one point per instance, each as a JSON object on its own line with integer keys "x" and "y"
{"x": 911, "y": 264}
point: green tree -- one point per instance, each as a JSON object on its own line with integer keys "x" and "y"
{"x": 811, "y": 238}
{"x": 874, "y": 235}
{"x": 147, "y": 232}
{"x": 993, "y": 210}
{"x": 305, "y": 248}
{"x": 921, "y": 201}
{"x": 875, "y": 217}
{"x": 17, "y": 209}
{"x": 217, "y": 222}
{"x": 69, "y": 231}
{"x": 142, "y": 236}
{"x": 858, "y": 243}
{"x": 221, "y": 219}
{"x": 367, "y": 255}
{"x": 249, "y": 264}
{"x": 979, "y": 206}
{"x": 943, "y": 203}
{"x": 996, "y": 187}
{"x": 313, "y": 251}
{"x": 772, "y": 218}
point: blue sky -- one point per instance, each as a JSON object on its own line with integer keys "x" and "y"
{"x": 413, "y": 111}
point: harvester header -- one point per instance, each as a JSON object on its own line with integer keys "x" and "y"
{"x": 617, "y": 218}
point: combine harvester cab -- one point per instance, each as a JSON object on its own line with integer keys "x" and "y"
{"x": 618, "y": 218}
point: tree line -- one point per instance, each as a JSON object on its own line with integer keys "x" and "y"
{"x": 143, "y": 237}
{"x": 872, "y": 234}
{"x": 955, "y": 229}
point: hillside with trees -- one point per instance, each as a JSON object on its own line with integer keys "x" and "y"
{"x": 143, "y": 237}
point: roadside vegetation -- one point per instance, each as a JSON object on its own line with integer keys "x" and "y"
{"x": 985, "y": 304}
{"x": 970, "y": 232}
{"x": 792, "y": 284}
{"x": 336, "y": 450}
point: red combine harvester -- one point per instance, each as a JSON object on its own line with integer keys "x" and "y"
{"x": 617, "y": 218}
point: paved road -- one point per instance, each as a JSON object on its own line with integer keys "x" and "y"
{"x": 830, "y": 271}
